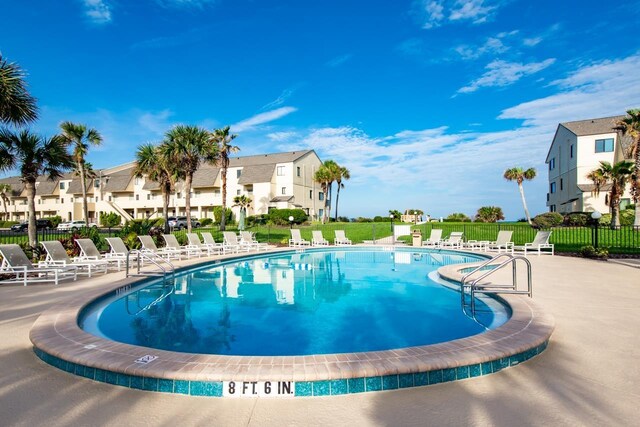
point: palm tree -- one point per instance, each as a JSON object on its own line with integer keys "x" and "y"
{"x": 188, "y": 146}
{"x": 80, "y": 138}
{"x": 519, "y": 175}
{"x": 324, "y": 178}
{"x": 17, "y": 106}
{"x": 244, "y": 203}
{"x": 223, "y": 139}
{"x": 5, "y": 190}
{"x": 34, "y": 155}
{"x": 616, "y": 175}
{"x": 631, "y": 126}
{"x": 151, "y": 163}
{"x": 343, "y": 174}
{"x": 489, "y": 214}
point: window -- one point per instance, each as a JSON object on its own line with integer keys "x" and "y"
{"x": 624, "y": 203}
{"x": 552, "y": 164}
{"x": 561, "y": 186}
{"x": 311, "y": 194}
{"x": 284, "y": 190}
{"x": 237, "y": 192}
{"x": 320, "y": 213}
{"x": 298, "y": 171}
{"x": 72, "y": 200}
{"x": 62, "y": 185}
{"x": 604, "y": 145}
{"x": 197, "y": 194}
{"x": 320, "y": 195}
{"x": 109, "y": 198}
{"x": 61, "y": 200}
{"x": 571, "y": 151}
{"x": 238, "y": 173}
{"x": 137, "y": 182}
{"x": 178, "y": 195}
{"x": 137, "y": 197}
{"x": 552, "y": 208}
{"x": 552, "y": 188}
{"x": 280, "y": 170}
{"x": 96, "y": 183}
{"x": 148, "y": 196}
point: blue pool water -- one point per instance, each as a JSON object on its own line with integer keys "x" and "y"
{"x": 316, "y": 302}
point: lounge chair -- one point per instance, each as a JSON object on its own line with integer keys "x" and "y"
{"x": 434, "y": 238}
{"x": 196, "y": 244}
{"x": 232, "y": 243}
{"x": 57, "y": 256}
{"x": 89, "y": 252}
{"x": 15, "y": 262}
{"x": 247, "y": 238}
{"x": 210, "y": 241}
{"x": 318, "y": 239}
{"x": 296, "y": 239}
{"x": 540, "y": 244}
{"x": 172, "y": 244}
{"x": 503, "y": 242}
{"x": 453, "y": 241}
{"x": 119, "y": 250}
{"x": 341, "y": 239}
{"x": 149, "y": 247}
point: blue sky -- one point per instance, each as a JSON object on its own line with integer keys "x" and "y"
{"x": 427, "y": 102}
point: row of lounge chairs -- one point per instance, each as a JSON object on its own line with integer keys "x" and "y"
{"x": 318, "y": 239}
{"x": 503, "y": 243}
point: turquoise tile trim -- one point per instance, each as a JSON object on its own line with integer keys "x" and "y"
{"x": 304, "y": 388}
{"x": 339, "y": 387}
{"x": 373, "y": 383}
{"x": 321, "y": 388}
{"x": 356, "y": 385}
{"x": 390, "y": 382}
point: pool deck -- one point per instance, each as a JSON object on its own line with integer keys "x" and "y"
{"x": 589, "y": 374}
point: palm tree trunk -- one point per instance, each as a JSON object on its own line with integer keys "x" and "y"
{"x": 83, "y": 183}
{"x": 524, "y": 203}
{"x": 337, "y": 198}
{"x": 166, "y": 196}
{"x": 187, "y": 202}
{"x": 30, "y": 187}
{"x": 614, "y": 201}
{"x": 223, "y": 218}
{"x": 6, "y": 212}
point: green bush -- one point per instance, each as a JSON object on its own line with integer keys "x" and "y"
{"x": 206, "y": 221}
{"x": 576, "y": 219}
{"x": 379, "y": 218}
{"x": 137, "y": 226}
{"x": 457, "y": 217}
{"x": 109, "y": 220}
{"x": 7, "y": 224}
{"x": 254, "y": 220}
{"x": 547, "y": 220}
{"x": 281, "y": 216}
{"x": 591, "y": 252}
{"x": 217, "y": 213}
{"x": 55, "y": 220}
{"x": 362, "y": 219}
{"x": 626, "y": 218}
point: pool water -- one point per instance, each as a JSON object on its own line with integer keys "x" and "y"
{"x": 314, "y": 302}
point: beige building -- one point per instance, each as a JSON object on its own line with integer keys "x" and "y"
{"x": 280, "y": 180}
{"x": 577, "y": 149}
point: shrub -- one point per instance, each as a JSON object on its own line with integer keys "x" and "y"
{"x": 547, "y": 220}
{"x": 7, "y": 224}
{"x": 281, "y": 216}
{"x": 253, "y": 220}
{"x": 457, "y": 217}
{"x": 576, "y": 219}
{"x": 206, "y": 221}
{"x": 217, "y": 213}
{"x": 379, "y": 218}
{"x": 605, "y": 220}
{"x": 343, "y": 219}
{"x": 489, "y": 214}
{"x": 362, "y": 219}
{"x": 55, "y": 220}
{"x": 591, "y": 252}
{"x": 627, "y": 216}
{"x": 137, "y": 226}
{"x": 109, "y": 220}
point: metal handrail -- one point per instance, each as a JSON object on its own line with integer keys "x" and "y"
{"x": 151, "y": 257}
{"x": 156, "y": 301}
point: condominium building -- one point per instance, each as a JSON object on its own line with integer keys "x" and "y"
{"x": 577, "y": 149}
{"x": 279, "y": 180}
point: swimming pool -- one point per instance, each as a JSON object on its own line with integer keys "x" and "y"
{"x": 324, "y": 302}
{"x": 59, "y": 341}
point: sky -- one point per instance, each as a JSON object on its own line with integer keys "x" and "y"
{"x": 426, "y": 102}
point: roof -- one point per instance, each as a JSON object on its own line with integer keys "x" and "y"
{"x": 16, "y": 185}
{"x": 258, "y": 173}
{"x": 588, "y": 188}
{"x": 47, "y": 187}
{"x": 593, "y": 126}
{"x": 205, "y": 176}
{"x": 264, "y": 159}
{"x": 75, "y": 186}
{"x": 281, "y": 199}
{"x": 118, "y": 181}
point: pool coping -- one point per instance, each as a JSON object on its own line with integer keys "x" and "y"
{"x": 59, "y": 341}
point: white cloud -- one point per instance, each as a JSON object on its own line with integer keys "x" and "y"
{"x": 434, "y": 13}
{"x": 281, "y": 136}
{"x": 98, "y": 11}
{"x": 262, "y": 118}
{"x": 338, "y": 60}
{"x": 532, "y": 41}
{"x": 282, "y": 98}
{"x": 473, "y": 10}
{"x": 502, "y": 73}
{"x": 492, "y": 46}
{"x": 197, "y": 4}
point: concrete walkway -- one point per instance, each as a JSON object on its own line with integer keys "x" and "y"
{"x": 589, "y": 375}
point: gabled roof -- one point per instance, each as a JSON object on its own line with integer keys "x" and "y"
{"x": 205, "y": 176}
{"x": 47, "y": 187}
{"x": 264, "y": 159}
{"x": 593, "y": 126}
{"x": 16, "y": 185}
{"x": 75, "y": 186}
{"x": 588, "y": 188}
{"x": 118, "y": 181}
{"x": 281, "y": 199}
{"x": 258, "y": 173}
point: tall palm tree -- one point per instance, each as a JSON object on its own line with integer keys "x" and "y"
{"x": 519, "y": 175}
{"x": 80, "y": 138}
{"x": 616, "y": 175}
{"x": 188, "y": 146}
{"x": 222, "y": 138}
{"x": 631, "y": 126}
{"x": 244, "y": 202}
{"x": 343, "y": 174}
{"x": 155, "y": 167}
{"x": 34, "y": 155}
{"x": 324, "y": 177}
{"x": 5, "y": 190}
{"x": 17, "y": 106}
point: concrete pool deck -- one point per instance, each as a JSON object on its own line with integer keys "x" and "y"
{"x": 588, "y": 375}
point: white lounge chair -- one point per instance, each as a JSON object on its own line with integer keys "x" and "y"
{"x": 453, "y": 241}
{"x": 196, "y": 244}
{"x": 318, "y": 239}
{"x": 503, "y": 242}
{"x": 89, "y": 252}
{"x": 341, "y": 239}
{"x": 15, "y": 262}
{"x": 296, "y": 239}
{"x": 247, "y": 238}
{"x": 57, "y": 256}
{"x": 434, "y": 238}
{"x": 149, "y": 247}
{"x": 540, "y": 244}
{"x": 231, "y": 242}
{"x": 172, "y": 244}
{"x": 119, "y": 250}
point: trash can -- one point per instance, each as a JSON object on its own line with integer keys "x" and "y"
{"x": 417, "y": 238}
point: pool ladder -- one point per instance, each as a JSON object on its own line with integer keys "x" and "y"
{"x": 164, "y": 265}
{"x": 487, "y": 268}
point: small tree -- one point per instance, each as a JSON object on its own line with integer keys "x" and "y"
{"x": 616, "y": 175}
{"x": 109, "y": 220}
{"x": 489, "y": 214}
{"x": 457, "y": 217}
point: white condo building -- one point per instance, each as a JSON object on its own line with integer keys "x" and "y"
{"x": 279, "y": 180}
{"x": 577, "y": 149}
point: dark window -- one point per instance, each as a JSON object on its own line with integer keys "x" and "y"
{"x": 238, "y": 173}
{"x": 552, "y": 164}
{"x": 604, "y": 145}
{"x": 284, "y": 190}
{"x": 552, "y": 188}
{"x": 320, "y": 195}
{"x": 298, "y": 171}
{"x": 561, "y": 186}
{"x": 311, "y": 194}
{"x": 552, "y": 208}
{"x": 571, "y": 151}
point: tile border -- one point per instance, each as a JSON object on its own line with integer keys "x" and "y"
{"x": 59, "y": 341}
